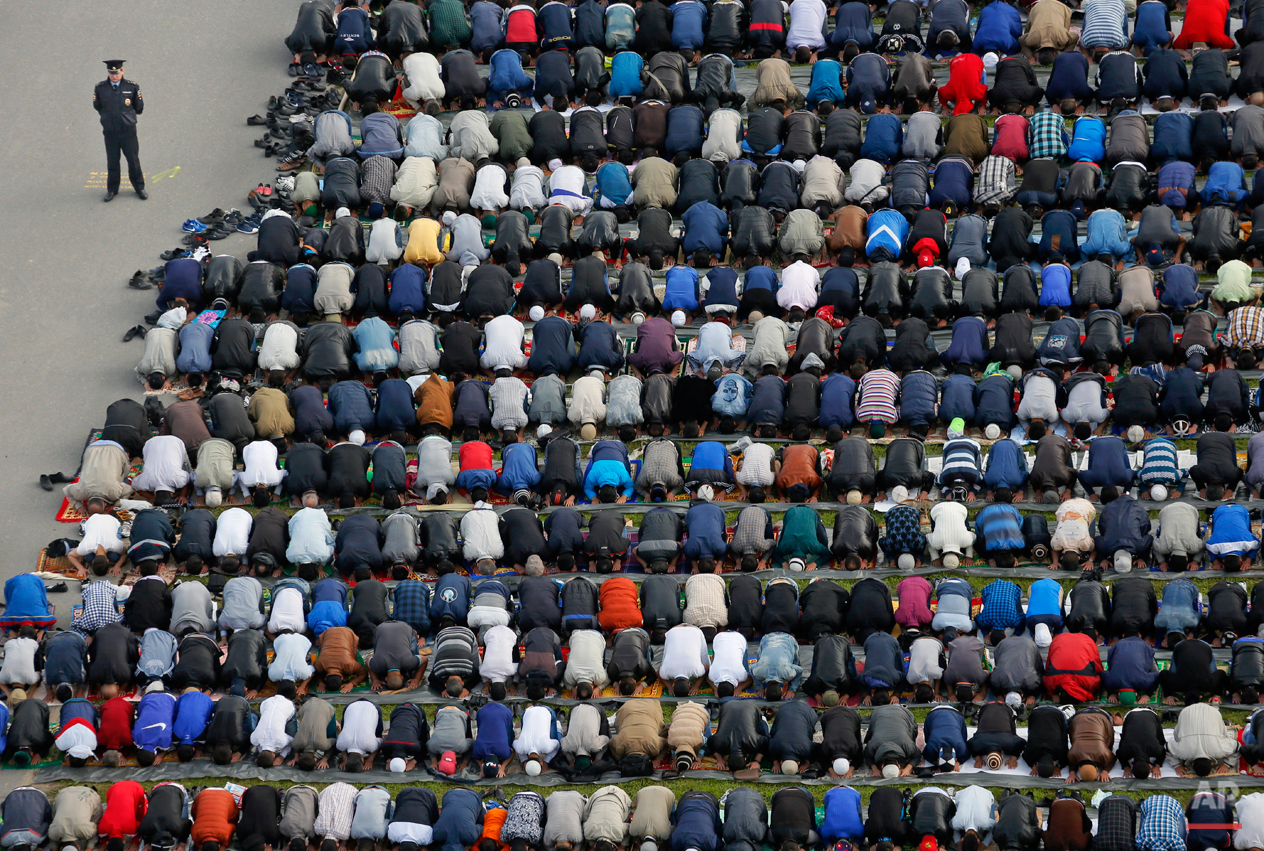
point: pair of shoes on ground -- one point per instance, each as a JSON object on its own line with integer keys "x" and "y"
{"x": 140, "y": 280}
{"x": 133, "y": 332}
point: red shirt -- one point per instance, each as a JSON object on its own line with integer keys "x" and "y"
{"x": 1009, "y": 139}
{"x": 520, "y": 26}
{"x": 125, "y": 806}
{"x": 965, "y": 88}
{"x": 475, "y": 455}
{"x": 115, "y": 730}
{"x": 1074, "y": 664}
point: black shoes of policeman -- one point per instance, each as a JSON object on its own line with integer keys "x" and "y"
{"x": 110, "y": 195}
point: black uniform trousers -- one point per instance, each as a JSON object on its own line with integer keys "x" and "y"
{"x": 128, "y": 146}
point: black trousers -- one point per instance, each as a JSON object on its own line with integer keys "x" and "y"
{"x": 130, "y": 148}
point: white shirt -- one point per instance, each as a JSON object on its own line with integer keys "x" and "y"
{"x": 527, "y": 188}
{"x": 359, "y": 729}
{"x": 232, "y": 533}
{"x": 19, "y": 662}
{"x": 864, "y": 182}
{"x": 537, "y": 735}
{"x": 498, "y": 646}
{"x": 311, "y": 537}
{"x": 807, "y": 22}
{"x": 424, "y": 83}
{"x": 924, "y": 660}
{"x": 166, "y": 465}
{"x": 799, "y": 284}
{"x": 586, "y": 662}
{"x": 489, "y": 188}
{"x": 684, "y": 653}
{"x": 729, "y": 665}
{"x": 950, "y": 534}
{"x": 385, "y": 242}
{"x": 1250, "y": 811}
{"x": 567, "y": 186}
{"x": 976, "y": 810}
{"x": 480, "y": 534}
{"x": 290, "y": 660}
{"x": 101, "y": 530}
{"x": 756, "y": 465}
{"x": 287, "y": 613}
{"x": 1072, "y": 531}
{"x": 279, "y": 349}
{"x": 260, "y": 457}
{"x": 502, "y": 344}
{"x": 269, "y": 733}
{"x": 588, "y": 401}
{"x": 407, "y": 831}
{"x": 78, "y": 740}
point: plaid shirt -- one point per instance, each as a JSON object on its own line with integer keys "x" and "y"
{"x": 377, "y": 176}
{"x": 754, "y": 532}
{"x": 1049, "y": 137}
{"x": 1246, "y": 328}
{"x": 1116, "y": 824}
{"x": 333, "y": 816}
{"x": 995, "y": 184}
{"x": 1001, "y": 606}
{"x": 100, "y": 607}
{"x": 661, "y": 465}
{"x": 449, "y": 26}
{"x": 1162, "y": 825}
{"x": 412, "y": 605}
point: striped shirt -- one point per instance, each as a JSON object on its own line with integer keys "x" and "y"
{"x": 756, "y": 466}
{"x": 753, "y": 534}
{"x": 377, "y": 176}
{"x": 1159, "y": 465}
{"x": 1049, "y": 136}
{"x": 995, "y": 184}
{"x": 878, "y": 392}
{"x": 455, "y": 653}
{"x": 661, "y": 465}
{"x": 706, "y": 601}
{"x": 962, "y": 461}
{"x": 1105, "y": 24}
{"x": 510, "y": 400}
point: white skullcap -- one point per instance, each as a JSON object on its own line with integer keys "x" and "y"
{"x": 899, "y": 493}
{"x": 342, "y": 211}
{"x": 706, "y": 492}
{"x": 449, "y": 217}
{"x": 951, "y": 561}
{"x": 1015, "y": 370}
{"x": 963, "y": 266}
{"x": 555, "y": 164}
{"x": 523, "y": 162}
{"x": 990, "y": 59}
{"x": 356, "y": 437}
{"x": 755, "y": 316}
{"x": 587, "y": 311}
{"x": 992, "y": 432}
{"x": 536, "y": 313}
{"x": 890, "y": 771}
{"x": 1043, "y": 637}
{"x": 1136, "y": 434}
{"x": 854, "y": 497}
{"x": 556, "y": 258}
{"x": 398, "y": 765}
{"x": 906, "y": 561}
{"x": 678, "y": 318}
{"x": 544, "y": 430}
{"x": 1158, "y": 493}
{"x": 638, "y": 318}
{"x": 214, "y": 497}
{"x": 799, "y": 165}
{"x": 1014, "y": 699}
{"x": 1123, "y": 561}
{"x": 533, "y": 767}
{"x": 789, "y": 766}
{"x": 797, "y": 565}
{"x": 841, "y": 765}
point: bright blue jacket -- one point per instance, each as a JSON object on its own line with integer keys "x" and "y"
{"x": 505, "y": 75}
{"x": 827, "y": 83}
{"x": 842, "y": 815}
{"x": 193, "y": 713}
{"x": 888, "y": 229}
{"x": 682, "y": 288}
{"x": 155, "y": 715}
{"x": 520, "y": 468}
{"x": 1000, "y": 527}
{"x": 999, "y": 29}
{"x": 1088, "y": 140}
{"x": 1231, "y": 532}
{"x": 495, "y": 733}
{"x": 1044, "y": 599}
{"x": 613, "y": 184}
{"x": 625, "y": 75}
{"x": 1055, "y": 284}
{"x": 1226, "y": 184}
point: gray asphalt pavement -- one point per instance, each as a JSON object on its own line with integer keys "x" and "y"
{"x": 64, "y": 304}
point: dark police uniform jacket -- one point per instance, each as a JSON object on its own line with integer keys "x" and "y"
{"x": 118, "y": 109}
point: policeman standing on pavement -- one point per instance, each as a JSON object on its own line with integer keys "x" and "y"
{"x": 119, "y": 101}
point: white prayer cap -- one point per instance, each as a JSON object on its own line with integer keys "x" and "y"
{"x": 342, "y": 211}
{"x": 854, "y": 497}
{"x": 543, "y": 431}
{"x": 555, "y": 164}
{"x": 1014, "y": 699}
{"x": 449, "y": 217}
{"x": 214, "y": 497}
{"x": 841, "y": 765}
{"x": 1043, "y": 637}
{"x": 1123, "y": 561}
{"x": 536, "y": 313}
{"x": 706, "y": 492}
{"x": 789, "y": 766}
{"x": 963, "y": 266}
{"x": 799, "y": 165}
{"x": 533, "y": 767}
{"x": 1015, "y": 370}
{"x": 992, "y": 432}
{"x": 906, "y": 561}
{"x": 899, "y": 493}
{"x": 523, "y": 162}
{"x": 951, "y": 561}
{"x": 990, "y": 59}
{"x": 1136, "y": 434}
{"x": 556, "y": 258}
{"x": 678, "y": 318}
{"x": 1158, "y": 493}
{"x": 890, "y": 771}
{"x": 797, "y": 565}
{"x": 587, "y": 311}
{"x": 356, "y": 437}
{"x": 638, "y": 318}
{"x": 398, "y": 765}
